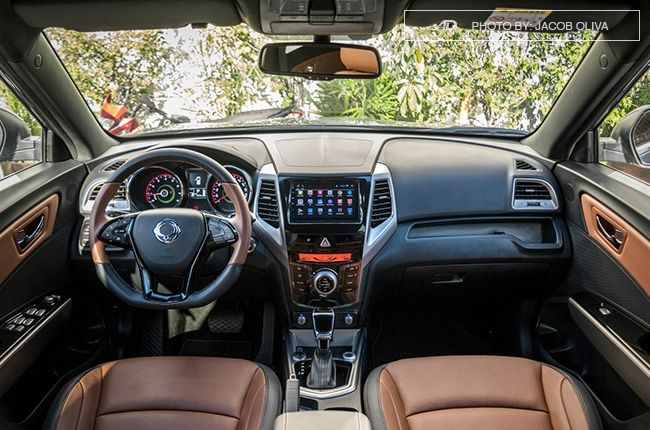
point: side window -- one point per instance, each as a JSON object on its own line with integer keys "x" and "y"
{"x": 624, "y": 135}
{"x": 20, "y": 135}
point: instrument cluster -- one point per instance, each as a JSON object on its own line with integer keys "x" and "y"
{"x": 184, "y": 186}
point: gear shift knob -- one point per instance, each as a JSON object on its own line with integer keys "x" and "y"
{"x": 323, "y": 320}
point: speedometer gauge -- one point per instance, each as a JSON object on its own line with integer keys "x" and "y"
{"x": 217, "y": 195}
{"x": 164, "y": 190}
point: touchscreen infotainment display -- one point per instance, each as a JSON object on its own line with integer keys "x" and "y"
{"x": 324, "y": 202}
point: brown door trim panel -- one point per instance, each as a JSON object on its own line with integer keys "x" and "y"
{"x": 623, "y": 242}
{"x": 26, "y": 233}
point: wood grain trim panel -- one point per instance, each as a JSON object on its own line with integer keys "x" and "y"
{"x": 634, "y": 253}
{"x": 10, "y": 255}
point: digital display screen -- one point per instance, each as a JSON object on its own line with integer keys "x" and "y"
{"x": 197, "y": 183}
{"x": 324, "y": 202}
{"x": 324, "y": 258}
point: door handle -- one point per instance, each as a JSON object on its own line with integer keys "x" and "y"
{"x": 612, "y": 234}
{"x": 28, "y": 234}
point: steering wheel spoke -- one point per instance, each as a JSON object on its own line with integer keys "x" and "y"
{"x": 117, "y": 231}
{"x": 221, "y": 232}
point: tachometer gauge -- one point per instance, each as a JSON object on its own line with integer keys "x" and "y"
{"x": 218, "y": 197}
{"x": 164, "y": 190}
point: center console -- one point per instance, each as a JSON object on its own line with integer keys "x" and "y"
{"x": 325, "y": 233}
{"x": 327, "y": 230}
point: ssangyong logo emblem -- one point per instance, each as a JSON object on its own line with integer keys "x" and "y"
{"x": 166, "y": 231}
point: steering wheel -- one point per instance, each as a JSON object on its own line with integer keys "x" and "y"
{"x": 170, "y": 241}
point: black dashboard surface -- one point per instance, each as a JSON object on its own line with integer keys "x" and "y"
{"x": 436, "y": 178}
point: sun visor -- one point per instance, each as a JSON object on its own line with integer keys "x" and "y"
{"x": 107, "y": 15}
{"x": 534, "y": 17}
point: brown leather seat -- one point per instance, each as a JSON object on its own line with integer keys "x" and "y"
{"x": 476, "y": 392}
{"x": 167, "y": 393}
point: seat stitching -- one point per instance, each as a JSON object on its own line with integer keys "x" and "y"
{"x": 477, "y": 407}
{"x": 83, "y": 395}
{"x": 393, "y": 403}
{"x": 241, "y": 411}
{"x": 166, "y": 410}
{"x": 251, "y": 410}
{"x": 563, "y": 404}
{"x": 189, "y": 411}
{"x": 480, "y": 407}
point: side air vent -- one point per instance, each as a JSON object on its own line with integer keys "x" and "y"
{"x": 524, "y": 165}
{"x": 267, "y": 205}
{"x": 114, "y": 166}
{"x": 533, "y": 194}
{"x": 119, "y": 195}
{"x": 382, "y": 203}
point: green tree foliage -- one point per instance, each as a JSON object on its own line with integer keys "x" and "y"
{"x": 222, "y": 61}
{"x": 126, "y": 64}
{"x": 639, "y": 95}
{"x": 366, "y": 98}
{"x": 9, "y": 101}
{"x": 465, "y": 77}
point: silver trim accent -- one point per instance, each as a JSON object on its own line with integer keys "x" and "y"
{"x": 344, "y": 337}
{"x": 329, "y": 273}
{"x": 267, "y": 172}
{"x": 551, "y": 190}
{"x": 376, "y": 237}
{"x": 166, "y": 238}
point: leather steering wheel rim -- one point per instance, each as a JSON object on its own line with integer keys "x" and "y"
{"x": 241, "y": 222}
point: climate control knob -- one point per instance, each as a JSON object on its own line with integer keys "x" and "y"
{"x": 325, "y": 282}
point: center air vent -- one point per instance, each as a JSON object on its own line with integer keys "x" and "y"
{"x": 382, "y": 203}
{"x": 533, "y": 194}
{"x": 267, "y": 204}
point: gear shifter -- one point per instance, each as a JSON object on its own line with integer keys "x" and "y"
{"x": 323, "y": 372}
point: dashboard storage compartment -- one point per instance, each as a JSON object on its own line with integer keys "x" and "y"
{"x": 517, "y": 278}
{"x": 529, "y": 233}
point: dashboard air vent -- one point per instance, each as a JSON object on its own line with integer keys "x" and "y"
{"x": 524, "y": 165}
{"x": 267, "y": 205}
{"x": 533, "y": 194}
{"x": 114, "y": 166}
{"x": 382, "y": 203}
{"x": 119, "y": 195}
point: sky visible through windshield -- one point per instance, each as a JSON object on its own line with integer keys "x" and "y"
{"x": 139, "y": 81}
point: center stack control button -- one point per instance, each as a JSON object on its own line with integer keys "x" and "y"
{"x": 325, "y": 282}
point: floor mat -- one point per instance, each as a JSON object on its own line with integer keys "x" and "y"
{"x": 420, "y": 334}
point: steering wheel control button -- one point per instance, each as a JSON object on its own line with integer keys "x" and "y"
{"x": 325, "y": 281}
{"x": 167, "y": 231}
{"x": 222, "y": 232}
{"x": 116, "y": 232}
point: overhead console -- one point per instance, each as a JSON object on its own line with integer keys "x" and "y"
{"x": 322, "y": 17}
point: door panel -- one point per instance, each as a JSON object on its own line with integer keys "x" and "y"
{"x": 38, "y": 211}
{"x": 598, "y": 324}
{"x": 622, "y": 241}
{"x": 26, "y": 234}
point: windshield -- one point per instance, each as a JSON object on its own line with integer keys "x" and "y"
{"x": 144, "y": 81}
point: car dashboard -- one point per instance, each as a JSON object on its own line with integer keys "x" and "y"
{"x": 343, "y": 217}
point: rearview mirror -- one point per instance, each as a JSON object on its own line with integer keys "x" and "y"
{"x": 320, "y": 61}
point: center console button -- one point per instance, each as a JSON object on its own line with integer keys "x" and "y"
{"x": 325, "y": 281}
